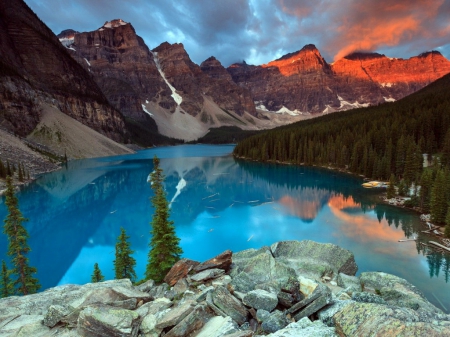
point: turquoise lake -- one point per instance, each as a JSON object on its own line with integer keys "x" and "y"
{"x": 217, "y": 203}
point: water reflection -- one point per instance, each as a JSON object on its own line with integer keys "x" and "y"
{"x": 217, "y": 203}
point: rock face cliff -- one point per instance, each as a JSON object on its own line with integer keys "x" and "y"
{"x": 303, "y": 82}
{"x": 36, "y": 68}
{"x": 122, "y": 66}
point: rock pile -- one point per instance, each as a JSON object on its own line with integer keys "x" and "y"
{"x": 289, "y": 289}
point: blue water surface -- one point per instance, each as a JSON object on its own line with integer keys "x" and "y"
{"x": 217, "y": 203}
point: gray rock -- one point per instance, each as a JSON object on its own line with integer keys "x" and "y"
{"x": 207, "y": 275}
{"x": 367, "y": 298}
{"x": 221, "y": 281}
{"x": 347, "y": 281}
{"x": 229, "y": 305}
{"x": 305, "y": 328}
{"x": 202, "y": 296}
{"x": 397, "y": 291}
{"x": 217, "y": 327}
{"x": 153, "y": 307}
{"x": 159, "y": 291}
{"x": 98, "y": 321}
{"x": 262, "y": 315}
{"x": 327, "y": 313}
{"x": 261, "y": 299}
{"x": 318, "y": 290}
{"x": 285, "y": 299}
{"x": 146, "y": 286}
{"x": 313, "y": 307}
{"x": 315, "y": 259}
{"x": 276, "y": 321}
{"x": 181, "y": 286}
{"x": 252, "y": 268}
{"x": 18, "y": 325}
{"x": 370, "y": 319}
{"x": 54, "y": 314}
{"x": 148, "y": 325}
{"x": 176, "y": 315}
{"x": 193, "y": 322}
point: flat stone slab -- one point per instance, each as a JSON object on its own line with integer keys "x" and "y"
{"x": 207, "y": 275}
{"x": 221, "y": 261}
{"x": 229, "y": 304}
{"x": 179, "y": 271}
{"x": 217, "y": 327}
{"x": 176, "y": 315}
{"x": 261, "y": 299}
{"x": 107, "y": 321}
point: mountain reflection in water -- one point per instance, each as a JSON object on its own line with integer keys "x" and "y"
{"x": 217, "y": 203}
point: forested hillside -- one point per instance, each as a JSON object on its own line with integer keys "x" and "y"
{"x": 375, "y": 141}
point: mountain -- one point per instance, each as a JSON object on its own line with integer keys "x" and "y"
{"x": 303, "y": 82}
{"x": 161, "y": 88}
{"x": 376, "y": 142}
{"x": 37, "y": 74}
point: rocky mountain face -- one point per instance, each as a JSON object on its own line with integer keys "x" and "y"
{"x": 292, "y": 288}
{"x": 303, "y": 82}
{"x": 122, "y": 66}
{"x": 36, "y": 68}
{"x": 194, "y": 82}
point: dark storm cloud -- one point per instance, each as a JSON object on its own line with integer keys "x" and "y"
{"x": 259, "y": 31}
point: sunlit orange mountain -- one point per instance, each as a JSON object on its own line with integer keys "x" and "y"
{"x": 303, "y": 82}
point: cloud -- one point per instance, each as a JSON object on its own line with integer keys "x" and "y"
{"x": 259, "y": 31}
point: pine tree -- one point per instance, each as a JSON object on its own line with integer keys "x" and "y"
{"x": 20, "y": 173}
{"x": 18, "y": 248}
{"x": 390, "y": 192}
{"x": 439, "y": 202}
{"x": 426, "y": 184}
{"x": 447, "y": 223}
{"x": 2, "y": 170}
{"x": 124, "y": 263}
{"x": 97, "y": 274}
{"x": 164, "y": 244}
{"x": 6, "y": 287}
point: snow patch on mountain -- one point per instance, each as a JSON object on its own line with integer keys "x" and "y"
{"x": 145, "y": 110}
{"x": 283, "y": 110}
{"x": 176, "y": 97}
{"x": 114, "y": 23}
{"x": 347, "y": 105}
{"x": 260, "y": 106}
{"x": 390, "y": 99}
{"x": 388, "y": 85}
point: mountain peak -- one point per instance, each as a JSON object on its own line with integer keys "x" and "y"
{"x": 114, "y": 23}
{"x": 432, "y": 52}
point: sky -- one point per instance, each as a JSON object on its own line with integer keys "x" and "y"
{"x": 259, "y": 31}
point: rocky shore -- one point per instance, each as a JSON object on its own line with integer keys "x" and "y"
{"x": 291, "y": 288}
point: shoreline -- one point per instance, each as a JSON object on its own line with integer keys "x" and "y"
{"x": 382, "y": 196}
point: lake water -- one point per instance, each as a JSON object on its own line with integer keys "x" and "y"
{"x": 217, "y": 203}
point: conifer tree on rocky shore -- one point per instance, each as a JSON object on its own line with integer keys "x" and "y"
{"x": 6, "y": 287}
{"x": 97, "y": 275}
{"x": 24, "y": 283}
{"x": 164, "y": 245}
{"x": 124, "y": 263}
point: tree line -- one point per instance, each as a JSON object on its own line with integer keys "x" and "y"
{"x": 385, "y": 142}
{"x": 164, "y": 245}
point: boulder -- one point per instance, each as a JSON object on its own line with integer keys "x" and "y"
{"x": 179, "y": 271}
{"x": 367, "y": 298}
{"x": 252, "y": 268}
{"x": 305, "y": 328}
{"x": 350, "y": 283}
{"x": 314, "y": 259}
{"x": 24, "y": 325}
{"x": 217, "y": 327}
{"x": 229, "y": 305}
{"x": 148, "y": 325}
{"x": 159, "y": 291}
{"x": 327, "y": 313}
{"x": 146, "y": 286}
{"x": 207, "y": 275}
{"x": 262, "y": 315}
{"x": 221, "y": 261}
{"x": 191, "y": 323}
{"x": 176, "y": 315}
{"x": 54, "y": 314}
{"x": 370, "y": 319}
{"x": 397, "y": 291}
{"x": 261, "y": 299}
{"x": 276, "y": 321}
{"x": 102, "y": 320}
{"x": 153, "y": 307}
